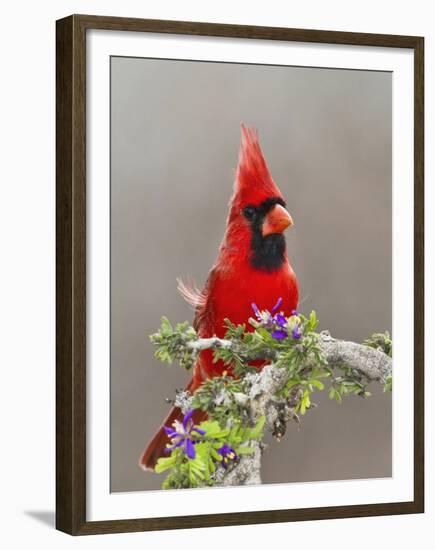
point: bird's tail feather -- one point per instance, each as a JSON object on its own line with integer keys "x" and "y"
{"x": 191, "y": 293}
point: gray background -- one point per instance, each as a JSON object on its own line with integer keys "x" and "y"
{"x": 326, "y": 135}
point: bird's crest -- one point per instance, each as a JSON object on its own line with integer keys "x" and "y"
{"x": 254, "y": 182}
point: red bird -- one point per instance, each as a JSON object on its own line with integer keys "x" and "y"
{"x": 252, "y": 266}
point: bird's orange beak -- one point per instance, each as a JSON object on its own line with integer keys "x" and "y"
{"x": 276, "y": 221}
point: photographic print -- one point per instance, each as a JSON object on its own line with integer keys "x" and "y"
{"x": 239, "y": 274}
{"x": 254, "y": 203}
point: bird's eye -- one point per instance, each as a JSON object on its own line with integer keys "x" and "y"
{"x": 249, "y": 212}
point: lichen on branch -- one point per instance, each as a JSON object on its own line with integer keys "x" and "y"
{"x": 244, "y": 401}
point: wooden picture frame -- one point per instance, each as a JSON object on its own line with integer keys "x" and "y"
{"x": 71, "y": 225}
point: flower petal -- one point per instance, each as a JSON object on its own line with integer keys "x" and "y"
{"x": 280, "y": 320}
{"x": 296, "y": 334}
{"x": 189, "y": 448}
{"x": 277, "y": 305}
{"x": 279, "y": 334}
{"x": 187, "y": 417}
{"x": 267, "y": 319}
{"x": 198, "y": 430}
{"x": 256, "y": 311}
{"x": 228, "y": 454}
{"x": 170, "y": 431}
{"x": 176, "y": 444}
{"x": 224, "y": 449}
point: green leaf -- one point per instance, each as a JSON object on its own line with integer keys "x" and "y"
{"x": 166, "y": 327}
{"x": 215, "y": 455}
{"x": 257, "y": 431}
{"x": 265, "y": 335}
{"x": 165, "y": 463}
{"x": 317, "y": 384}
{"x": 312, "y": 323}
{"x": 291, "y": 383}
{"x": 320, "y": 373}
{"x": 213, "y": 429}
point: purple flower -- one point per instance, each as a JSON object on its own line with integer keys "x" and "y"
{"x": 256, "y": 311}
{"x": 228, "y": 454}
{"x": 296, "y": 332}
{"x": 184, "y": 434}
{"x": 277, "y": 305}
{"x": 279, "y": 334}
{"x": 273, "y": 321}
{"x": 280, "y": 320}
{"x": 263, "y": 317}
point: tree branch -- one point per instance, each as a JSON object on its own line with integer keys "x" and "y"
{"x": 261, "y": 388}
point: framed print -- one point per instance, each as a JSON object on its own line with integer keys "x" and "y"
{"x": 239, "y": 274}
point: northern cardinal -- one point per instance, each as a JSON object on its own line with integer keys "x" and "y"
{"x": 252, "y": 267}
